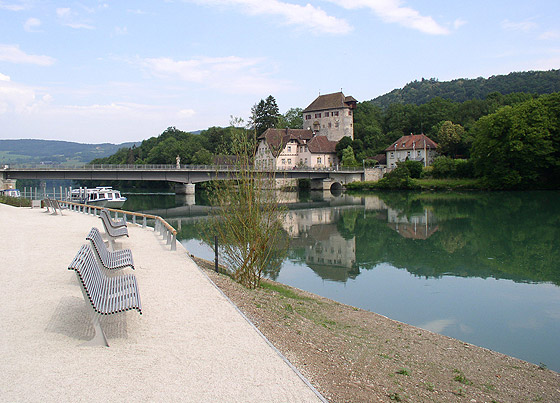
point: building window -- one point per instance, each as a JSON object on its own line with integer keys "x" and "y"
{"x": 283, "y": 161}
{"x": 326, "y": 114}
{"x": 330, "y": 125}
{"x": 392, "y": 154}
{"x": 336, "y": 124}
{"x": 289, "y": 149}
{"x": 418, "y": 152}
{"x": 307, "y": 117}
{"x": 349, "y": 113}
{"x": 289, "y": 161}
{"x": 318, "y": 160}
{"x": 408, "y": 153}
{"x": 335, "y": 113}
{"x": 317, "y": 115}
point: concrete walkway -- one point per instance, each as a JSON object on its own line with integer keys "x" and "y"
{"x": 190, "y": 344}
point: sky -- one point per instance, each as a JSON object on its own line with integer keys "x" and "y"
{"x": 118, "y": 71}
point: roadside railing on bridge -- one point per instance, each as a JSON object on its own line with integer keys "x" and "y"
{"x": 161, "y": 226}
{"x": 156, "y": 167}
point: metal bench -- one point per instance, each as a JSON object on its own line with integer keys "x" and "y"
{"x": 111, "y": 260}
{"x": 114, "y": 222}
{"x": 103, "y": 294}
{"x": 110, "y": 229}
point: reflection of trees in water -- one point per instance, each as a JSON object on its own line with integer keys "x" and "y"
{"x": 511, "y": 235}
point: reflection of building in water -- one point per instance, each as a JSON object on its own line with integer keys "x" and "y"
{"x": 416, "y": 226}
{"x": 327, "y": 252}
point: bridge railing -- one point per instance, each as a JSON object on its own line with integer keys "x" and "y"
{"x": 166, "y": 167}
{"x": 161, "y": 226}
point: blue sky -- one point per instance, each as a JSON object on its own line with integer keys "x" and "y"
{"x": 116, "y": 71}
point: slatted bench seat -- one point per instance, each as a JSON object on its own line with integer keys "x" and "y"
{"x": 111, "y": 260}
{"x": 113, "y": 232}
{"x": 104, "y": 295}
{"x": 114, "y": 222}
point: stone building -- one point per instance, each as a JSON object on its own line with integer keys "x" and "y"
{"x": 331, "y": 115}
{"x": 326, "y": 120}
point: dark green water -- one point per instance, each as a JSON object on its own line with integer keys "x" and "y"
{"x": 480, "y": 267}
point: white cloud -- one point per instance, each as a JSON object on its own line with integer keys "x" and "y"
{"x": 310, "y": 17}
{"x": 524, "y": 26}
{"x": 32, "y": 24}
{"x": 230, "y": 74}
{"x": 4, "y": 77}
{"x": 13, "y": 54}
{"x": 550, "y": 35}
{"x": 70, "y": 19}
{"x": 458, "y": 23}
{"x": 13, "y": 6}
{"x": 394, "y": 12}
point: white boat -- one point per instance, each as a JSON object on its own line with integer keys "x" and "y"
{"x": 11, "y": 192}
{"x": 102, "y": 196}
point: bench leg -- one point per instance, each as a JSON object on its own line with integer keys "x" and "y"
{"x": 99, "y": 338}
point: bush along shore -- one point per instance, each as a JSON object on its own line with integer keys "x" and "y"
{"x": 352, "y": 355}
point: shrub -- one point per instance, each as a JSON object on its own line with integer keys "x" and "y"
{"x": 414, "y": 167}
{"x": 443, "y": 167}
{"x": 398, "y": 178}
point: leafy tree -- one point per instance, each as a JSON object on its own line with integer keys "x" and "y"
{"x": 264, "y": 115}
{"x": 514, "y": 147}
{"x": 348, "y": 158}
{"x": 398, "y": 178}
{"x": 449, "y": 138}
{"x": 202, "y": 157}
{"x": 342, "y": 144}
{"x": 292, "y": 119}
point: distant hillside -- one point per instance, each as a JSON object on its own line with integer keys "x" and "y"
{"x": 461, "y": 90}
{"x": 57, "y": 152}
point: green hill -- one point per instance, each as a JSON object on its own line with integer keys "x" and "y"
{"x": 461, "y": 90}
{"x": 53, "y": 151}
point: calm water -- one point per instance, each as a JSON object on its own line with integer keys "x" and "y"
{"x": 479, "y": 267}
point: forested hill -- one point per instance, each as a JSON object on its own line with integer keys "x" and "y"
{"x": 461, "y": 90}
{"x": 54, "y": 151}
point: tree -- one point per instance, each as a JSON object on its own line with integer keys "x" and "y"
{"x": 292, "y": 119}
{"x": 247, "y": 217}
{"x": 449, "y": 138}
{"x": 202, "y": 157}
{"x": 514, "y": 147}
{"x": 264, "y": 115}
{"x": 342, "y": 144}
{"x": 348, "y": 158}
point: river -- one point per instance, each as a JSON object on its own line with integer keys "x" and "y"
{"x": 480, "y": 267}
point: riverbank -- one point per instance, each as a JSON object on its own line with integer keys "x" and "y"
{"x": 425, "y": 184}
{"x": 352, "y": 355}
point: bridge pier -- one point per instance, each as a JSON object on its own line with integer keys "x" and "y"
{"x": 184, "y": 188}
{"x": 321, "y": 184}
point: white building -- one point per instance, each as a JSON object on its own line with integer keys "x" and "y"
{"x": 326, "y": 120}
{"x": 416, "y": 147}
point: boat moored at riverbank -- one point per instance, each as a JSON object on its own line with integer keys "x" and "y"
{"x": 102, "y": 196}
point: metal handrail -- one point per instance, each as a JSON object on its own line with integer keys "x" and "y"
{"x": 163, "y": 227}
{"x": 213, "y": 168}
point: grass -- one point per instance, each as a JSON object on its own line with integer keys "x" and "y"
{"x": 461, "y": 378}
{"x": 403, "y": 371}
{"x": 427, "y": 184}
{"x": 285, "y": 292}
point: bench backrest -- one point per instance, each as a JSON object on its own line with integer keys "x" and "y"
{"x": 106, "y": 294}
{"x": 110, "y": 259}
{"x": 109, "y": 229}
{"x": 115, "y": 224}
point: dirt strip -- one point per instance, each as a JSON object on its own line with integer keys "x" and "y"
{"x": 352, "y": 355}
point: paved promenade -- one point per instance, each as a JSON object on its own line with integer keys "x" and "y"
{"x": 190, "y": 343}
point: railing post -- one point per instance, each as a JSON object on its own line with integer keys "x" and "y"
{"x": 144, "y": 222}
{"x": 174, "y": 242}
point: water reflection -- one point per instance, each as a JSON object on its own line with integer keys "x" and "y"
{"x": 434, "y": 260}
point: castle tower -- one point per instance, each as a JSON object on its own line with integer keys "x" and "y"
{"x": 331, "y": 115}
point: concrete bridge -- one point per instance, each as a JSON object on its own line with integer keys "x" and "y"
{"x": 184, "y": 176}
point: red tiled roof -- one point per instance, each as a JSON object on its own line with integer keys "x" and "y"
{"x": 414, "y": 141}
{"x": 336, "y": 100}
{"x": 277, "y": 139}
{"x": 321, "y": 145}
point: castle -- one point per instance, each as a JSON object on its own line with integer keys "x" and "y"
{"x": 326, "y": 120}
